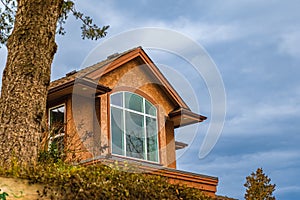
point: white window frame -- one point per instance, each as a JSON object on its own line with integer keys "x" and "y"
{"x": 62, "y": 134}
{"x": 145, "y": 115}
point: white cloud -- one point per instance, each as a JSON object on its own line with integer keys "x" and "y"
{"x": 108, "y": 12}
{"x": 289, "y": 43}
{"x": 268, "y": 159}
{"x": 120, "y": 20}
{"x": 204, "y": 33}
{"x": 257, "y": 118}
{"x": 288, "y": 189}
{"x": 232, "y": 170}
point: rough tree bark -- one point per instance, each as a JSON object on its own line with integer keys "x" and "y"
{"x": 26, "y": 77}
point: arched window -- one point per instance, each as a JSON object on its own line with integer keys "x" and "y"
{"x": 133, "y": 126}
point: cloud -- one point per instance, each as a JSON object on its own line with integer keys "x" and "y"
{"x": 259, "y": 118}
{"x": 121, "y": 20}
{"x": 278, "y": 165}
{"x": 204, "y": 33}
{"x": 289, "y": 189}
{"x": 266, "y": 159}
{"x": 289, "y": 43}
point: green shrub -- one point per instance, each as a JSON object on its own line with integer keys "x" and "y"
{"x": 62, "y": 181}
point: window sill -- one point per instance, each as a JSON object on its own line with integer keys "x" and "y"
{"x": 117, "y": 158}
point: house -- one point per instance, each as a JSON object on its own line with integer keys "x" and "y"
{"x": 122, "y": 109}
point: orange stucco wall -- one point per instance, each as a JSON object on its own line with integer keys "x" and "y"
{"x": 78, "y": 124}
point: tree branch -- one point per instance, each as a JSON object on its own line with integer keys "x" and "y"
{"x": 89, "y": 30}
{"x": 7, "y": 7}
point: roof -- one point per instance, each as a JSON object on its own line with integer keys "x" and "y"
{"x": 64, "y": 85}
{"x": 181, "y": 115}
{"x": 180, "y": 145}
{"x": 72, "y": 75}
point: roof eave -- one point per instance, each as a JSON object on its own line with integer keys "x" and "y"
{"x": 182, "y": 117}
{"x": 83, "y": 87}
{"x": 180, "y": 145}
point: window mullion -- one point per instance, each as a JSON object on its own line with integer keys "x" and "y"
{"x": 124, "y": 125}
{"x": 146, "y": 117}
{"x": 145, "y": 129}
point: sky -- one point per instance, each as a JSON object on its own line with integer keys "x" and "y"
{"x": 255, "y": 45}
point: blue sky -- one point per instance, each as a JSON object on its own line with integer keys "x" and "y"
{"x": 256, "y": 47}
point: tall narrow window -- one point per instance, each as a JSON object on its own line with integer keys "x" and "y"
{"x": 57, "y": 130}
{"x": 133, "y": 126}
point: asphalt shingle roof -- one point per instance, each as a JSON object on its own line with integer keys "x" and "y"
{"x": 72, "y": 75}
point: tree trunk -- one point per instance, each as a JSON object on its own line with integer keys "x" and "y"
{"x": 26, "y": 77}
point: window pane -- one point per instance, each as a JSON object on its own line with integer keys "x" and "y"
{"x": 152, "y": 151}
{"x": 117, "y": 99}
{"x": 134, "y": 102}
{"x": 57, "y": 120}
{"x": 117, "y": 131}
{"x": 135, "y": 141}
{"x": 150, "y": 109}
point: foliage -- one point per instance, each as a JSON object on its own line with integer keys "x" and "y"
{"x": 3, "y": 195}
{"x": 52, "y": 155}
{"x": 62, "y": 181}
{"x": 70, "y": 148}
{"x": 89, "y": 30}
{"x": 259, "y": 187}
{"x": 7, "y": 19}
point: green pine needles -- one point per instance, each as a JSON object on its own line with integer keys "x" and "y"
{"x": 258, "y": 186}
{"x": 89, "y": 30}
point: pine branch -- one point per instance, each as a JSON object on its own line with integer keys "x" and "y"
{"x": 7, "y": 7}
{"x": 7, "y": 17}
{"x": 88, "y": 28}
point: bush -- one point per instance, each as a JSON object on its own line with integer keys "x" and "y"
{"x": 63, "y": 181}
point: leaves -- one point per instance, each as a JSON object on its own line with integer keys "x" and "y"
{"x": 7, "y": 16}
{"x": 62, "y": 181}
{"x": 259, "y": 187}
{"x": 89, "y": 29}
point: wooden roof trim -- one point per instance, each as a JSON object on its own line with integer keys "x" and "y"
{"x": 103, "y": 89}
{"x": 162, "y": 78}
{"x": 92, "y": 84}
{"x": 180, "y": 145}
{"x": 153, "y": 168}
{"x": 182, "y": 117}
{"x": 61, "y": 87}
{"x": 117, "y": 62}
{"x": 126, "y": 57}
{"x": 183, "y": 111}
